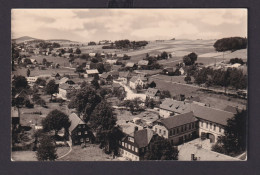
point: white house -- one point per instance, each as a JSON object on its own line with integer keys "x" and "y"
{"x": 31, "y": 80}
{"x": 92, "y": 54}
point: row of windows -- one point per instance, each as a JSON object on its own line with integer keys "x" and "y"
{"x": 209, "y": 125}
{"x": 178, "y": 130}
{"x": 129, "y": 154}
{"x": 82, "y": 140}
{"x": 83, "y": 126}
{"x": 85, "y": 132}
{"x": 133, "y": 148}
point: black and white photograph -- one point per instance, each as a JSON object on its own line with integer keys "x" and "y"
{"x": 129, "y": 84}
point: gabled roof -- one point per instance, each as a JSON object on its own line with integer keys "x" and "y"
{"x": 143, "y": 137}
{"x": 105, "y": 75}
{"x": 75, "y": 121}
{"x": 211, "y": 114}
{"x": 232, "y": 109}
{"x": 124, "y": 74}
{"x": 134, "y": 78}
{"x": 92, "y": 71}
{"x": 178, "y": 120}
{"x": 63, "y": 80}
{"x": 175, "y": 106}
{"x": 143, "y": 63}
{"x": 152, "y": 92}
{"x": 66, "y": 86}
{"x": 129, "y": 64}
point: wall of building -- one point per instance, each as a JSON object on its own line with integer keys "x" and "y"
{"x": 205, "y": 127}
{"x": 128, "y": 155}
{"x": 161, "y": 131}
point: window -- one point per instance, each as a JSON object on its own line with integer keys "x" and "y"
{"x": 219, "y": 129}
{"x": 164, "y": 132}
{"x": 160, "y": 131}
{"x": 182, "y": 129}
{"x": 210, "y": 125}
{"x": 173, "y": 132}
{"x": 201, "y": 124}
{"x": 87, "y": 139}
{"x": 86, "y": 132}
{"x": 189, "y": 126}
{"x": 185, "y": 128}
{"x": 79, "y": 126}
{"x": 126, "y": 145}
{"x": 76, "y": 141}
{"x": 214, "y": 127}
{"x": 81, "y": 140}
{"x": 123, "y": 143}
{"x": 207, "y": 125}
{"x": 177, "y": 131}
{"x": 129, "y": 146}
{"x": 79, "y": 133}
{"x": 136, "y": 150}
{"x": 170, "y": 132}
{"x": 193, "y": 125}
{"x": 133, "y": 148}
{"x": 83, "y": 126}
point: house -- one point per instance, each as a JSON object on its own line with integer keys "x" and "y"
{"x": 169, "y": 70}
{"x": 66, "y": 80}
{"x": 110, "y": 61}
{"x": 106, "y": 77}
{"x": 177, "y": 129}
{"x": 182, "y": 71}
{"x": 65, "y": 88}
{"x": 124, "y": 77}
{"x": 130, "y": 65}
{"x": 114, "y": 74}
{"x": 142, "y": 63}
{"x": 139, "y": 80}
{"x": 170, "y": 107}
{"x": 116, "y": 87}
{"x": 33, "y": 61}
{"x": 31, "y": 80}
{"x": 78, "y": 130}
{"x": 134, "y": 146}
{"x": 92, "y": 54}
{"x": 153, "y": 93}
{"x": 91, "y": 73}
{"x": 15, "y": 114}
{"x": 211, "y": 121}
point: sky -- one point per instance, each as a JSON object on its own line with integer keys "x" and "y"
{"x": 86, "y": 25}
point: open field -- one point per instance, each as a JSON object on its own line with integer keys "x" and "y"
{"x": 23, "y": 156}
{"x": 90, "y": 153}
{"x": 124, "y": 115}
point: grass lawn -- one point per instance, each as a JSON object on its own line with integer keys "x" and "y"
{"x": 23, "y": 156}
{"x": 62, "y": 150}
{"x": 90, "y": 153}
{"x": 145, "y": 115}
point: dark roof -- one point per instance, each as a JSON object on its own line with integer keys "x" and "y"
{"x": 152, "y": 92}
{"x": 143, "y": 137}
{"x": 75, "y": 121}
{"x": 124, "y": 74}
{"x": 211, "y": 114}
{"x": 232, "y": 109}
{"x": 175, "y": 106}
{"x": 178, "y": 120}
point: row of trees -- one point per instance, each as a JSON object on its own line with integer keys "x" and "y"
{"x": 231, "y": 77}
{"x": 230, "y": 44}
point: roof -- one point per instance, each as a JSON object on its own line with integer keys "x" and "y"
{"x": 116, "y": 85}
{"x": 75, "y": 121}
{"x": 178, "y": 120}
{"x": 152, "y": 92}
{"x": 92, "y": 71}
{"x": 129, "y": 64}
{"x": 143, "y": 137}
{"x": 124, "y": 74}
{"x": 170, "y": 69}
{"x": 66, "y": 86}
{"x": 14, "y": 112}
{"x": 134, "y": 78}
{"x": 211, "y": 114}
{"x": 143, "y": 63}
{"x": 232, "y": 109}
{"x": 105, "y": 75}
{"x": 63, "y": 80}
{"x": 175, "y": 106}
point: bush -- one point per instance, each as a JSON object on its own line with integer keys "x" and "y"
{"x": 28, "y": 104}
{"x": 232, "y": 44}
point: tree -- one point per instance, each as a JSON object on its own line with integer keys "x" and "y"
{"x": 103, "y": 121}
{"x": 232, "y": 44}
{"x": 165, "y": 94}
{"x": 46, "y": 150}
{"x": 40, "y": 82}
{"x": 95, "y": 83}
{"x": 28, "y": 72}
{"x": 44, "y": 61}
{"x": 193, "y": 57}
{"x": 56, "y": 120}
{"x": 152, "y": 84}
{"x": 78, "y": 51}
{"x": 70, "y": 50}
{"x": 234, "y": 140}
{"x": 161, "y": 149}
{"x": 187, "y": 60}
{"x": 51, "y": 88}
{"x": 187, "y": 79}
{"x": 164, "y": 55}
{"x": 85, "y": 101}
{"x": 19, "y": 83}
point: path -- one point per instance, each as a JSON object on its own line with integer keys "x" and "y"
{"x": 130, "y": 95}
{"x": 67, "y": 152}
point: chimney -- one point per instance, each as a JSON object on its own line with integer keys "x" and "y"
{"x": 136, "y": 129}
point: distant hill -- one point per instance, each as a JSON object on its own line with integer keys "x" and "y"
{"x": 24, "y": 38}
{"x": 58, "y": 40}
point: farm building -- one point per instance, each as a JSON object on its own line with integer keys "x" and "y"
{"x": 124, "y": 77}
{"x": 91, "y": 73}
{"x": 153, "y": 93}
{"x": 65, "y": 88}
{"x": 138, "y": 81}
